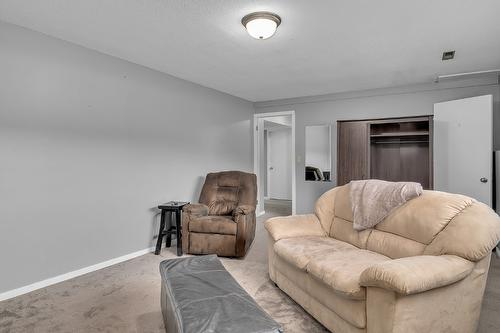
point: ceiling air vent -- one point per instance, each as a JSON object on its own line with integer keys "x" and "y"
{"x": 448, "y": 55}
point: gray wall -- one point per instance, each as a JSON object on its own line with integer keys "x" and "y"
{"x": 380, "y": 103}
{"x": 90, "y": 144}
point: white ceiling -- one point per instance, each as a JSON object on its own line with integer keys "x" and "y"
{"x": 322, "y": 46}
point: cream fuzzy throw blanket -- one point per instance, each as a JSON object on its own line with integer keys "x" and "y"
{"x": 372, "y": 200}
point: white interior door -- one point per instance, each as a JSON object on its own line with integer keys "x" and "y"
{"x": 463, "y": 147}
{"x": 279, "y": 164}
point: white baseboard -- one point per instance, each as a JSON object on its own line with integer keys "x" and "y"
{"x": 260, "y": 213}
{"x": 63, "y": 277}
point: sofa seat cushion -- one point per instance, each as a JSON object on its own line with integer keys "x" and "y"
{"x": 299, "y": 251}
{"x": 310, "y": 293}
{"x": 212, "y": 224}
{"x": 341, "y": 270}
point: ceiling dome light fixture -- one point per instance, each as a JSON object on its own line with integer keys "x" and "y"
{"x": 261, "y": 25}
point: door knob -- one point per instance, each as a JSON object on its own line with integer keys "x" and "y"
{"x": 483, "y": 180}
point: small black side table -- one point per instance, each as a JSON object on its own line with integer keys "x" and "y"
{"x": 175, "y": 207}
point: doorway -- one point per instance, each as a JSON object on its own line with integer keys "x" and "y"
{"x": 274, "y": 156}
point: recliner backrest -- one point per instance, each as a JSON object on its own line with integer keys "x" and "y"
{"x": 434, "y": 223}
{"x": 223, "y": 191}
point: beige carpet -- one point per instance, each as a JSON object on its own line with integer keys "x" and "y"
{"x": 125, "y": 297}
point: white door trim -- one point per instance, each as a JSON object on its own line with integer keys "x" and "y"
{"x": 268, "y": 182}
{"x": 258, "y": 137}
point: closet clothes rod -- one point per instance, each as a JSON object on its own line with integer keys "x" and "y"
{"x": 419, "y": 141}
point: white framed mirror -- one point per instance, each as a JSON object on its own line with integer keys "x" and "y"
{"x": 318, "y": 154}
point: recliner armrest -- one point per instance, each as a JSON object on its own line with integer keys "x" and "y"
{"x": 244, "y": 210}
{"x": 294, "y": 226}
{"x": 196, "y": 209}
{"x": 417, "y": 274}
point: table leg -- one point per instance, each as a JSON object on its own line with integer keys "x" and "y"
{"x": 160, "y": 233}
{"x": 178, "y": 231}
{"x": 168, "y": 242}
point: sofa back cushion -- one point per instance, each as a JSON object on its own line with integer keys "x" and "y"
{"x": 224, "y": 191}
{"x": 471, "y": 234}
{"x": 342, "y": 228}
{"x": 434, "y": 223}
{"x": 325, "y": 208}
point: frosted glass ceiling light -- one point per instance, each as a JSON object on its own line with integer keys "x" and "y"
{"x": 261, "y": 25}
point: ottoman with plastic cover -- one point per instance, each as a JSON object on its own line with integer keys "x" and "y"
{"x": 199, "y": 295}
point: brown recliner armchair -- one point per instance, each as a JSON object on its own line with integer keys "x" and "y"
{"x": 223, "y": 222}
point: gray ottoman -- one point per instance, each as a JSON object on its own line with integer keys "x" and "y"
{"x": 199, "y": 295}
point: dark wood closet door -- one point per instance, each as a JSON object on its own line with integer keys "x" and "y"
{"x": 394, "y": 149}
{"x": 352, "y": 154}
{"x": 401, "y": 150}
{"x": 401, "y": 162}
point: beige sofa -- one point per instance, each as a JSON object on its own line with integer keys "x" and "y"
{"x": 422, "y": 269}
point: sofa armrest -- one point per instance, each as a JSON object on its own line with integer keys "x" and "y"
{"x": 417, "y": 274}
{"x": 294, "y": 226}
{"x": 196, "y": 209}
{"x": 244, "y": 210}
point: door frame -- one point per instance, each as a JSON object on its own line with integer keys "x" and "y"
{"x": 258, "y": 142}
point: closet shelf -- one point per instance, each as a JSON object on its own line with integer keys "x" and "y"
{"x": 399, "y": 134}
{"x": 400, "y": 142}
